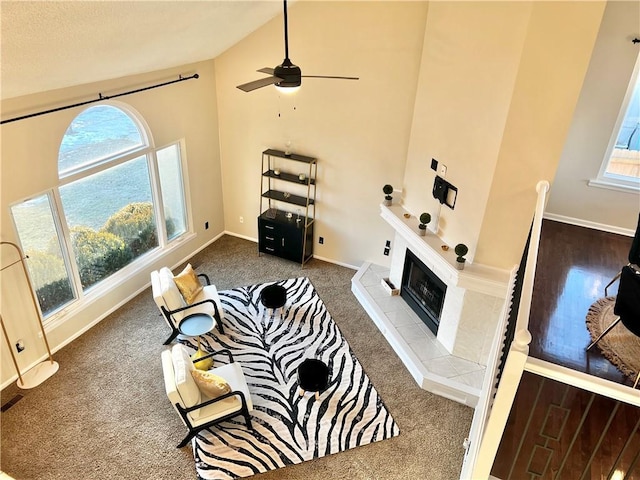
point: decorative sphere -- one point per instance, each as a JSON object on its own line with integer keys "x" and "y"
{"x": 425, "y": 218}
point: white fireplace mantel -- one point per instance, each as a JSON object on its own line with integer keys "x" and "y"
{"x": 474, "y": 299}
{"x": 453, "y": 362}
{"x": 475, "y": 277}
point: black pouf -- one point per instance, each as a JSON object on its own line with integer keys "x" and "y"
{"x": 313, "y": 376}
{"x": 273, "y": 296}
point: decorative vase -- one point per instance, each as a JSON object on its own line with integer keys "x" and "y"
{"x": 386, "y": 202}
{"x": 422, "y": 231}
{"x": 460, "y": 265}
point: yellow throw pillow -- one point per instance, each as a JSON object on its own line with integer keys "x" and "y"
{"x": 188, "y": 283}
{"x": 210, "y": 384}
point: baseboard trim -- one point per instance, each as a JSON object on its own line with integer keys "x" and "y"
{"x": 237, "y": 235}
{"x": 87, "y": 327}
{"x": 324, "y": 259}
{"x": 587, "y": 224}
{"x": 335, "y": 262}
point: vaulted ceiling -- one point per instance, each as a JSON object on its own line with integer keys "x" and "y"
{"x": 47, "y": 45}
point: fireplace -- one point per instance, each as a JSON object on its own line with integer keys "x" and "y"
{"x": 465, "y": 307}
{"x": 423, "y": 291}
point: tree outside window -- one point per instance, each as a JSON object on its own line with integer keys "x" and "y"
{"x": 118, "y": 199}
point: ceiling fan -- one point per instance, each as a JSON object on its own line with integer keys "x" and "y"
{"x": 285, "y": 75}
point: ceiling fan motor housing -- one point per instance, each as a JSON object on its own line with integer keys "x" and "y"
{"x": 290, "y": 74}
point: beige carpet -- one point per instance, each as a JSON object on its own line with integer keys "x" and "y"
{"x": 619, "y": 346}
{"x": 105, "y": 415}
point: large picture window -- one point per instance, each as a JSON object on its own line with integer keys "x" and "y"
{"x": 621, "y": 167}
{"x": 625, "y": 157}
{"x": 118, "y": 199}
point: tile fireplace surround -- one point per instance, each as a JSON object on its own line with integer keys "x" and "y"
{"x": 453, "y": 364}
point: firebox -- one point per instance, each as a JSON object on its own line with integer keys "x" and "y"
{"x": 423, "y": 291}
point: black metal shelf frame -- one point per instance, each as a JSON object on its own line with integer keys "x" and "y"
{"x": 289, "y": 177}
{"x": 288, "y": 198}
{"x": 273, "y": 192}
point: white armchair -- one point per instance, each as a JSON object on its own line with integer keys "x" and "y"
{"x": 196, "y": 409}
{"x": 174, "y": 307}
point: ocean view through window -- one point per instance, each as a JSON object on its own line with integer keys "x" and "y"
{"x": 118, "y": 199}
{"x": 47, "y": 265}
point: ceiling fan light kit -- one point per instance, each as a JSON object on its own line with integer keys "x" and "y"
{"x": 286, "y": 77}
{"x": 287, "y": 90}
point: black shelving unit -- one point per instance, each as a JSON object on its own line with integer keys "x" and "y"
{"x": 281, "y": 231}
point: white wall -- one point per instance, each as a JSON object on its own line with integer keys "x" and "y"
{"x": 556, "y": 52}
{"x": 470, "y": 60}
{"x": 498, "y": 86}
{"x": 358, "y": 130}
{"x": 487, "y": 88}
{"x": 29, "y": 166}
{"x": 593, "y": 126}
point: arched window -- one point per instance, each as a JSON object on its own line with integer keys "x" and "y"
{"x": 98, "y": 134}
{"x": 118, "y": 200}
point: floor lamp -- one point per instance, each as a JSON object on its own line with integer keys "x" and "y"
{"x": 45, "y": 369}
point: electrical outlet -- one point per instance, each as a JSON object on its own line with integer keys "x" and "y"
{"x": 434, "y": 164}
{"x": 321, "y": 240}
{"x": 206, "y": 225}
{"x": 442, "y": 171}
{"x": 241, "y": 219}
{"x": 20, "y": 345}
{"x": 387, "y": 243}
{"x": 386, "y": 252}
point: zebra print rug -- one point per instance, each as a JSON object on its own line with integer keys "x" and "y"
{"x": 288, "y": 428}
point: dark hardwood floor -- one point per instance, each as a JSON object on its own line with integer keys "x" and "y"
{"x": 556, "y": 431}
{"x": 574, "y": 265}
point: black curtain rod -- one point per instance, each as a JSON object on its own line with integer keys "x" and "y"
{"x": 100, "y": 99}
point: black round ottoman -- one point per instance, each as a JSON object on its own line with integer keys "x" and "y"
{"x": 313, "y": 376}
{"x": 273, "y": 296}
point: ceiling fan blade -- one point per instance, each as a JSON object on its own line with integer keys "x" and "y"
{"x": 328, "y": 76}
{"x": 263, "y": 82}
{"x": 288, "y": 74}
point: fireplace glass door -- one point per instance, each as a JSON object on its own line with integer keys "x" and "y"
{"x": 423, "y": 291}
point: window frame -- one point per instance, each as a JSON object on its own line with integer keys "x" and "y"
{"x": 614, "y": 181}
{"x": 157, "y": 185}
{"x": 59, "y": 226}
{"x": 85, "y": 297}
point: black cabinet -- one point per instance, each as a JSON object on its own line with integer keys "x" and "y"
{"x": 285, "y": 237}
{"x": 287, "y": 205}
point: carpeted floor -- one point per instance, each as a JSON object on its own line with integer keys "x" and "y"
{"x": 105, "y": 415}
